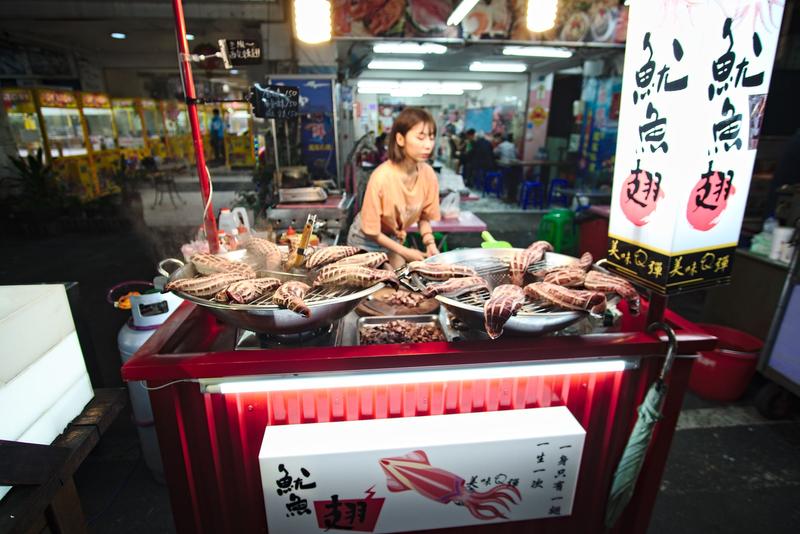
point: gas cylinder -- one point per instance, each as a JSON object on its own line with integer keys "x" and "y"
{"x": 148, "y": 312}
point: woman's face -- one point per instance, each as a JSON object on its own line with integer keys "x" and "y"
{"x": 418, "y": 142}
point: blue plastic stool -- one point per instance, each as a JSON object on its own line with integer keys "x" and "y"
{"x": 531, "y": 191}
{"x": 553, "y": 195}
{"x": 490, "y": 178}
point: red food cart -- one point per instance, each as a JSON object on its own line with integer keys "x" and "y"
{"x": 210, "y": 439}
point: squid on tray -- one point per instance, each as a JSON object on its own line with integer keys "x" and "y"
{"x": 414, "y": 472}
{"x": 525, "y": 258}
{"x": 504, "y": 302}
{"x": 290, "y": 295}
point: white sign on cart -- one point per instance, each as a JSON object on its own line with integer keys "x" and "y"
{"x": 693, "y": 95}
{"x": 416, "y": 473}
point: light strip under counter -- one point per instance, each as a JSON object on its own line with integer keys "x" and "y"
{"x": 419, "y": 375}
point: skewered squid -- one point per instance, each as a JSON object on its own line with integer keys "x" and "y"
{"x": 290, "y": 295}
{"x": 505, "y": 300}
{"x": 246, "y": 291}
{"x": 525, "y": 258}
{"x": 369, "y": 259}
{"x": 440, "y": 271}
{"x": 353, "y": 276}
{"x": 456, "y": 286}
{"x": 328, "y": 255}
{"x": 571, "y": 299}
{"x": 204, "y": 286}
{"x": 206, "y": 263}
{"x": 266, "y": 250}
{"x": 608, "y": 283}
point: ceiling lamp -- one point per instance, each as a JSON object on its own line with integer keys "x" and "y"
{"x": 189, "y": 37}
{"x": 118, "y": 35}
{"x": 312, "y": 21}
{"x": 497, "y": 66}
{"x": 396, "y": 64}
{"x": 409, "y": 48}
{"x": 542, "y": 14}
{"x": 460, "y": 12}
{"x": 537, "y": 51}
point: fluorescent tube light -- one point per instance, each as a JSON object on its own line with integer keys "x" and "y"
{"x": 312, "y": 21}
{"x": 118, "y": 35}
{"x": 190, "y": 37}
{"x": 396, "y": 64}
{"x": 409, "y": 48}
{"x": 537, "y": 51}
{"x": 460, "y": 12}
{"x": 466, "y": 86}
{"x": 542, "y": 14}
{"x": 413, "y": 376}
{"x": 497, "y": 66}
{"x": 407, "y": 92}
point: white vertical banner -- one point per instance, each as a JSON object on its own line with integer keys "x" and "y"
{"x": 693, "y": 95}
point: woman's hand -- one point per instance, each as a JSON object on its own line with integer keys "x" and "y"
{"x": 431, "y": 250}
{"x": 412, "y": 254}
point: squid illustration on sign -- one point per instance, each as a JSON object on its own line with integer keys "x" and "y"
{"x": 413, "y": 472}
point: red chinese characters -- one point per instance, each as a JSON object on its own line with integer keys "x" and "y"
{"x": 640, "y": 193}
{"x": 709, "y": 198}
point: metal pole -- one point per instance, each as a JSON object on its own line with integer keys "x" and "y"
{"x": 655, "y": 312}
{"x": 275, "y": 145}
{"x": 209, "y": 222}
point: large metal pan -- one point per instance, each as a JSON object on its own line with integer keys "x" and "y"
{"x": 326, "y": 304}
{"x": 533, "y": 319}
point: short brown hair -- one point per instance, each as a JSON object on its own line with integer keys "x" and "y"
{"x": 407, "y": 119}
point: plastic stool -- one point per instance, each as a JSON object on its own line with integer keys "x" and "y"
{"x": 489, "y": 180}
{"x": 554, "y": 195}
{"x": 531, "y": 190}
{"x": 558, "y": 227}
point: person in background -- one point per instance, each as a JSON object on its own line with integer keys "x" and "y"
{"x": 402, "y": 191}
{"x": 380, "y": 144}
{"x": 217, "y": 132}
{"x": 478, "y": 158}
{"x": 506, "y": 154}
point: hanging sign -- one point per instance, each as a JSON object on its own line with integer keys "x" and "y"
{"x": 275, "y": 101}
{"x": 420, "y": 473}
{"x": 693, "y": 93}
{"x": 238, "y": 52}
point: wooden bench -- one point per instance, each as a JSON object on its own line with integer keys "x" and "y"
{"x": 44, "y": 497}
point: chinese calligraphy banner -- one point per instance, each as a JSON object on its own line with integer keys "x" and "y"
{"x": 419, "y": 473}
{"x": 693, "y": 93}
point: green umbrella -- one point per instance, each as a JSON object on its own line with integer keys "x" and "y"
{"x": 635, "y": 451}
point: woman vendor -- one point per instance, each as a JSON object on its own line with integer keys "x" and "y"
{"x": 402, "y": 191}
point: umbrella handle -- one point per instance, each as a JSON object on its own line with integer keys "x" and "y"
{"x": 672, "y": 348}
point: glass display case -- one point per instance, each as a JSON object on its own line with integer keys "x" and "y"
{"x": 23, "y": 121}
{"x": 130, "y": 134}
{"x": 65, "y": 140}
{"x": 62, "y": 124}
{"x": 153, "y": 117}
{"x": 99, "y": 120}
{"x": 239, "y": 151}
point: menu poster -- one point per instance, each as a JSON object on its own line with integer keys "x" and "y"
{"x": 274, "y": 101}
{"x": 693, "y": 93}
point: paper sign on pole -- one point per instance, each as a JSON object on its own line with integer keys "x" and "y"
{"x": 693, "y": 94}
{"x": 419, "y": 473}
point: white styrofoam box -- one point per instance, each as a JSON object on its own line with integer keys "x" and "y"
{"x": 35, "y": 390}
{"x": 53, "y": 421}
{"x": 416, "y": 473}
{"x": 33, "y": 319}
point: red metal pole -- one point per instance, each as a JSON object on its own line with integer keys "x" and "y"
{"x": 209, "y": 222}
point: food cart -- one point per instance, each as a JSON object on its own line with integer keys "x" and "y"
{"x": 155, "y": 131}
{"x": 96, "y": 110}
{"x": 66, "y": 140}
{"x": 239, "y": 142}
{"x": 130, "y": 133}
{"x": 227, "y": 381}
{"x": 23, "y": 120}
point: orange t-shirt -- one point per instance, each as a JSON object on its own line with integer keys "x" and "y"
{"x": 391, "y": 207}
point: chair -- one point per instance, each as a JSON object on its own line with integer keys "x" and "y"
{"x": 554, "y": 195}
{"x": 532, "y": 191}
{"x": 558, "y": 228}
{"x": 493, "y": 183}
